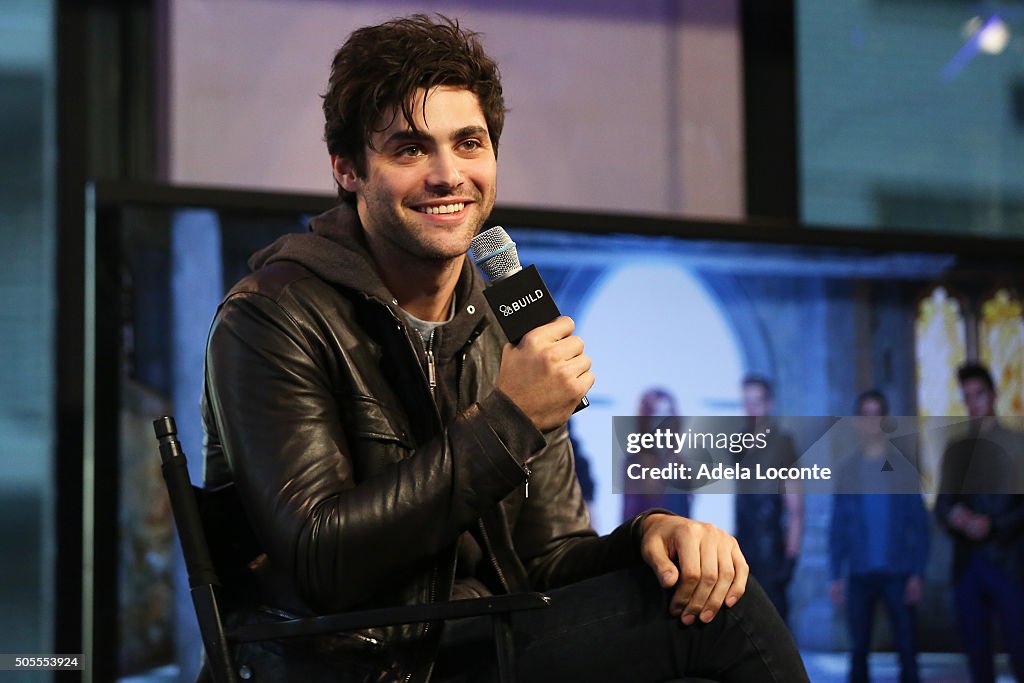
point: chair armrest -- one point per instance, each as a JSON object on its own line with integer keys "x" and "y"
{"x": 388, "y": 616}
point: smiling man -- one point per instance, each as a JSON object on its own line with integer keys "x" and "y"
{"x": 381, "y": 432}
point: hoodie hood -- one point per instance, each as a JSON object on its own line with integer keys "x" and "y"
{"x": 333, "y": 249}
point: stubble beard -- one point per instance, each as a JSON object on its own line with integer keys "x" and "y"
{"x": 404, "y": 235}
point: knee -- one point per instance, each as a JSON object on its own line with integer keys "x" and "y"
{"x": 756, "y": 604}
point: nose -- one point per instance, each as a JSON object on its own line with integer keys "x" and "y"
{"x": 444, "y": 173}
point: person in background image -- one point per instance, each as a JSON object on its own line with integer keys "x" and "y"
{"x": 769, "y": 521}
{"x": 878, "y": 542}
{"x": 657, "y": 411}
{"x": 986, "y": 522}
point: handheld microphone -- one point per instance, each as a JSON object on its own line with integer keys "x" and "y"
{"x": 518, "y": 296}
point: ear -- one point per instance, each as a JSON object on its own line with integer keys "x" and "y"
{"x": 345, "y": 173}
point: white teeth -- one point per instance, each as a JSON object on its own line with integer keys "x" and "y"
{"x": 447, "y": 208}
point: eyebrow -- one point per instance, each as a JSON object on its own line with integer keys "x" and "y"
{"x": 406, "y": 136}
{"x": 469, "y": 131}
{"x": 419, "y": 136}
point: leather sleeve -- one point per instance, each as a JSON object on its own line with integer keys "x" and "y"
{"x": 279, "y": 423}
{"x": 553, "y": 536}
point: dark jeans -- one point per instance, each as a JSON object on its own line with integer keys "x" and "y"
{"x": 776, "y": 591}
{"x": 863, "y": 593}
{"x": 981, "y": 591}
{"x": 616, "y": 627}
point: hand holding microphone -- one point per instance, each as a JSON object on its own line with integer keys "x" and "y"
{"x": 544, "y": 370}
{"x": 546, "y": 373}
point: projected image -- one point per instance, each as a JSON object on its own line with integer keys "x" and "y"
{"x": 820, "y": 323}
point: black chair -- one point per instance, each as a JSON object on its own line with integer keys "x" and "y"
{"x": 197, "y": 512}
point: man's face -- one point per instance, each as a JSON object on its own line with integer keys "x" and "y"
{"x": 870, "y": 412}
{"x": 978, "y": 397}
{"x": 425, "y": 194}
{"x": 662, "y": 406}
{"x": 755, "y": 401}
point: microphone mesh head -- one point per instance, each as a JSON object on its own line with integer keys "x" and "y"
{"x": 495, "y": 254}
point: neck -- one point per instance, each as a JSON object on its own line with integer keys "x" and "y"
{"x": 424, "y": 289}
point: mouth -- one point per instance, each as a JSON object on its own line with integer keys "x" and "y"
{"x": 442, "y": 209}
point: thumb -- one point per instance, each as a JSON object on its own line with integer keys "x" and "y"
{"x": 654, "y": 551}
{"x": 665, "y": 569}
{"x": 668, "y": 575}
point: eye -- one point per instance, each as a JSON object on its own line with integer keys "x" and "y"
{"x": 410, "y": 151}
{"x": 471, "y": 145}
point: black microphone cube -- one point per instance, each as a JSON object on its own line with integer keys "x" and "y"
{"x": 521, "y": 302}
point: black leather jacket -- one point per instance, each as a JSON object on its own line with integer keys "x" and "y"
{"x": 982, "y": 473}
{"x": 359, "y": 479}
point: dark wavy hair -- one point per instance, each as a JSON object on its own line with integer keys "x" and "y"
{"x": 755, "y": 380}
{"x": 975, "y": 370}
{"x": 379, "y": 69}
{"x": 871, "y": 395}
{"x": 648, "y": 421}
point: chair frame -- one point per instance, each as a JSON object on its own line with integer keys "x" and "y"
{"x": 206, "y": 588}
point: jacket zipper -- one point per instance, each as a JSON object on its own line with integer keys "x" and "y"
{"x": 431, "y": 371}
{"x": 459, "y": 367}
{"x": 431, "y": 368}
{"x": 432, "y": 384}
{"x": 494, "y": 560}
{"x": 433, "y": 599}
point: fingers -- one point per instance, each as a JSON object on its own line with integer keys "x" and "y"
{"x": 576, "y": 367}
{"x": 567, "y": 348}
{"x": 566, "y": 353}
{"x": 546, "y": 373}
{"x": 690, "y": 569}
{"x": 586, "y": 381}
{"x": 555, "y": 340}
{"x": 742, "y": 573}
{"x": 700, "y": 605}
{"x": 723, "y": 578}
{"x": 722, "y": 587}
{"x": 559, "y": 328}
{"x": 556, "y": 350}
{"x": 713, "y": 573}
